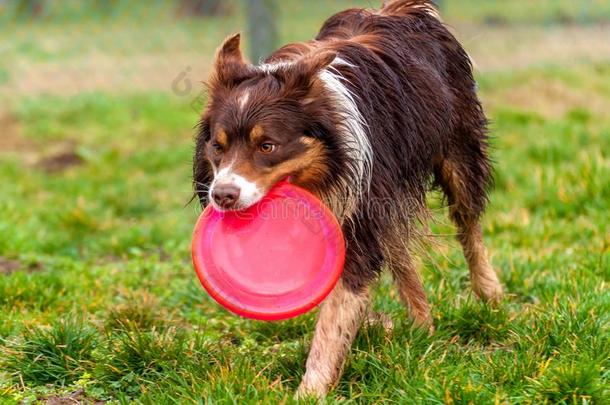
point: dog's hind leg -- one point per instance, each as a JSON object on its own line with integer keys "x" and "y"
{"x": 464, "y": 185}
{"x": 410, "y": 288}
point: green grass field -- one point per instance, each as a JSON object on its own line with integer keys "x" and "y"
{"x": 99, "y": 302}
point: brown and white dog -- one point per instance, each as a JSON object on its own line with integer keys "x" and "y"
{"x": 370, "y": 115}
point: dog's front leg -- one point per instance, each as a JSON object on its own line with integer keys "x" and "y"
{"x": 341, "y": 315}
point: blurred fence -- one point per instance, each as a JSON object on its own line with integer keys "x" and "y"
{"x": 71, "y": 46}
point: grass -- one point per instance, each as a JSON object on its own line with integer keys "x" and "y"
{"x": 58, "y": 355}
{"x": 104, "y": 304}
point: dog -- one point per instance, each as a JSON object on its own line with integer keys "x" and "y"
{"x": 377, "y": 110}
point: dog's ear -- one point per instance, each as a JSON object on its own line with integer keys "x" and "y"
{"x": 230, "y": 51}
{"x": 230, "y": 68}
{"x": 303, "y": 73}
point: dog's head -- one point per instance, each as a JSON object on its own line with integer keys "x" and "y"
{"x": 262, "y": 124}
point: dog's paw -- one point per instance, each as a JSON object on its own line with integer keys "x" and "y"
{"x": 308, "y": 391}
{"x": 488, "y": 288}
{"x": 381, "y": 319}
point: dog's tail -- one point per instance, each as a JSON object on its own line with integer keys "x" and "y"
{"x": 406, "y": 7}
{"x": 413, "y": 7}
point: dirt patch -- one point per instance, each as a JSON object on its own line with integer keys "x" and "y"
{"x": 13, "y": 142}
{"x": 8, "y": 266}
{"x": 110, "y": 73}
{"x": 549, "y": 98}
{"x": 10, "y": 132}
{"x": 61, "y": 159}
{"x": 77, "y": 397}
{"x": 505, "y": 48}
{"x": 50, "y": 159}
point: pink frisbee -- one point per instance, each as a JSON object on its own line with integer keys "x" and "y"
{"x": 275, "y": 260}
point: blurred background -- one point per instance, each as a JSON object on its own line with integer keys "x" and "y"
{"x": 71, "y": 47}
{"x": 98, "y": 300}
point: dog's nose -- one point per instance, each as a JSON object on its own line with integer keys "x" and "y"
{"x": 225, "y": 195}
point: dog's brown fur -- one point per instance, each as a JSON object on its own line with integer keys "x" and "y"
{"x": 370, "y": 115}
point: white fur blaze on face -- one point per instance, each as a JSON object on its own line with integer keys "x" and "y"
{"x": 243, "y": 100}
{"x": 249, "y": 192}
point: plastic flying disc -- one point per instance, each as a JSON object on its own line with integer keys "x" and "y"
{"x": 275, "y": 260}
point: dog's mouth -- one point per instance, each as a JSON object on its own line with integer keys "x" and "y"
{"x": 232, "y": 192}
{"x": 239, "y": 205}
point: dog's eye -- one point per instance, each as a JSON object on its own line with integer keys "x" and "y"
{"x": 217, "y": 148}
{"x": 267, "y": 147}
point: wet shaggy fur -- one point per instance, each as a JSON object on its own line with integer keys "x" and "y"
{"x": 388, "y": 99}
